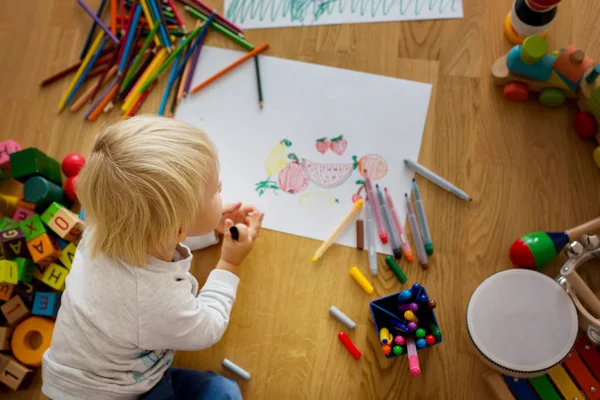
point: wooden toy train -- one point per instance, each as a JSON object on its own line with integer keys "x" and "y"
{"x": 556, "y": 76}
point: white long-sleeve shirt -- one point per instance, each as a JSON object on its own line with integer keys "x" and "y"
{"x": 119, "y": 325}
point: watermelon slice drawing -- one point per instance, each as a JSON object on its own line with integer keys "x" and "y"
{"x": 326, "y": 175}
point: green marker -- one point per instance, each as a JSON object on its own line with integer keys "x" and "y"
{"x": 435, "y": 331}
{"x": 389, "y": 260}
{"x": 397, "y": 350}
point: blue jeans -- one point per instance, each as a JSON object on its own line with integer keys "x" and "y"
{"x": 189, "y": 384}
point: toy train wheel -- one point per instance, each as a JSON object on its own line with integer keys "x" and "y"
{"x": 585, "y": 124}
{"x": 552, "y": 97}
{"x": 516, "y": 91}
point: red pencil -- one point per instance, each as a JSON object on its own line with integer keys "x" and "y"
{"x": 72, "y": 68}
{"x": 177, "y": 15}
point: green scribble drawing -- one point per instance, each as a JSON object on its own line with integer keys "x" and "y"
{"x": 240, "y": 11}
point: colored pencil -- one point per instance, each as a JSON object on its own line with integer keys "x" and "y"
{"x": 99, "y": 22}
{"x": 94, "y": 73}
{"x": 259, "y": 86}
{"x": 140, "y": 101}
{"x": 70, "y": 69}
{"x": 246, "y": 57}
{"x": 139, "y": 56}
{"x": 112, "y": 62}
{"x": 196, "y": 43}
{"x": 88, "y": 40}
{"x": 155, "y": 18}
{"x": 193, "y": 63}
{"x": 113, "y": 16}
{"x": 131, "y": 33}
{"x": 176, "y": 33}
{"x": 132, "y": 8}
{"x": 172, "y": 76}
{"x": 221, "y": 29}
{"x": 219, "y": 18}
{"x": 149, "y": 20}
{"x": 171, "y": 57}
{"x": 100, "y": 108}
{"x": 182, "y": 78}
{"x": 161, "y": 17}
{"x": 177, "y": 15}
{"x": 88, "y": 93}
{"x": 134, "y": 94}
{"x": 122, "y": 12}
{"x": 138, "y": 73}
{"x": 175, "y": 100}
{"x": 85, "y": 72}
{"x": 102, "y": 96}
{"x": 82, "y": 67}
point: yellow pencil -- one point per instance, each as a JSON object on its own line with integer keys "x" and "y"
{"x": 150, "y": 20}
{"x": 82, "y": 67}
{"x": 326, "y": 244}
{"x": 134, "y": 93}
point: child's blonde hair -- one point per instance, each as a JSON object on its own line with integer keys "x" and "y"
{"x": 144, "y": 179}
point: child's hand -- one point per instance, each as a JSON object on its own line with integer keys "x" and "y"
{"x": 234, "y": 251}
{"x": 237, "y": 213}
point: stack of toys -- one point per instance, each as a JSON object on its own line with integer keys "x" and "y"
{"x": 37, "y": 246}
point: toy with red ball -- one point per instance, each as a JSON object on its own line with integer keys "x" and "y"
{"x": 72, "y": 164}
{"x": 69, "y": 188}
{"x": 537, "y": 249}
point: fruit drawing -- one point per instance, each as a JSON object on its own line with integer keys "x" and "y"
{"x": 373, "y": 163}
{"x": 276, "y": 160}
{"x": 317, "y": 200}
{"x": 338, "y": 145}
{"x": 322, "y": 145}
{"x": 357, "y": 196}
{"x": 291, "y": 178}
{"x": 326, "y": 175}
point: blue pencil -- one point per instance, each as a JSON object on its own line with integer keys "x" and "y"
{"x": 163, "y": 29}
{"x": 196, "y": 43}
{"x": 88, "y": 41}
{"x": 86, "y": 71}
{"x": 172, "y": 77}
{"x": 130, "y": 35}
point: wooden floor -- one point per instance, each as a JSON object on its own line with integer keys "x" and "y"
{"x": 523, "y": 165}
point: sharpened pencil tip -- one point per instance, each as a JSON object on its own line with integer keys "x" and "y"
{"x": 470, "y": 199}
{"x": 260, "y": 104}
{"x": 314, "y": 259}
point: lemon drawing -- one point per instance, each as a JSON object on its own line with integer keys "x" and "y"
{"x": 275, "y": 161}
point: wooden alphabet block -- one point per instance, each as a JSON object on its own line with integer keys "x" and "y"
{"x": 32, "y": 227}
{"x": 4, "y": 359}
{"x": 66, "y": 224}
{"x": 25, "y": 204}
{"x": 5, "y": 332}
{"x": 6, "y": 149}
{"x": 26, "y": 291}
{"x": 44, "y": 250}
{"x": 13, "y": 243}
{"x": 7, "y": 223}
{"x": 22, "y": 214}
{"x": 38, "y": 272}
{"x": 9, "y": 272}
{"x": 25, "y": 268}
{"x": 67, "y": 255}
{"x": 61, "y": 242}
{"x": 49, "y": 213}
{"x": 15, "y": 310}
{"x": 54, "y": 276}
{"x": 45, "y": 304}
{"x": 42, "y": 192}
{"x": 31, "y": 162}
{"x": 6, "y": 291}
{"x": 13, "y": 374}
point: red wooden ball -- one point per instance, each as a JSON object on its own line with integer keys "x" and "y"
{"x": 585, "y": 124}
{"x": 70, "y": 188}
{"x": 72, "y": 164}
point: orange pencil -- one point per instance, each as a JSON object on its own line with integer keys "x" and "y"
{"x": 247, "y": 56}
{"x": 113, "y": 16}
{"x": 98, "y": 110}
{"x": 88, "y": 93}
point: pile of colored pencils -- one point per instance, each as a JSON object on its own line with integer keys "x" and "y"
{"x": 143, "y": 39}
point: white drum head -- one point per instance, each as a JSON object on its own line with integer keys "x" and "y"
{"x": 522, "y": 322}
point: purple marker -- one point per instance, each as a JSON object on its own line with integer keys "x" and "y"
{"x": 412, "y": 326}
{"x": 414, "y": 307}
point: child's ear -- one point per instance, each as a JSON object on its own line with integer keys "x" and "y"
{"x": 181, "y": 235}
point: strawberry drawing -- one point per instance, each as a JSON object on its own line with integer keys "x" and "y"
{"x": 338, "y": 145}
{"x": 322, "y": 145}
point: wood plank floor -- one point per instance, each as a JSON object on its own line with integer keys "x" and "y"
{"x": 522, "y": 163}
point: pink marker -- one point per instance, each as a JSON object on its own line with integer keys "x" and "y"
{"x": 399, "y": 340}
{"x": 413, "y": 358}
{"x": 406, "y": 250}
{"x": 376, "y": 211}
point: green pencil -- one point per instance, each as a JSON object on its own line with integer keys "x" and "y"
{"x": 260, "y": 95}
{"x": 171, "y": 58}
{"x": 221, "y": 29}
{"x": 140, "y": 55}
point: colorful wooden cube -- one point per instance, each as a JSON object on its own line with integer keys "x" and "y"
{"x": 68, "y": 253}
{"x": 55, "y": 276}
{"x": 15, "y": 310}
{"x": 42, "y": 192}
{"x": 6, "y": 149}
{"x": 62, "y": 243}
{"x": 9, "y": 272}
{"x": 31, "y": 162}
{"x": 5, "y": 332}
{"x": 26, "y": 269}
{"x": 13, "y": 374}
{"x": 25, "y": 204}
{"x": 571, "y": 70}
{"x": 22, "y": 214}
{"x": 26, "y": 291}
{"x": 13, "y": 243}
{"x": 4, "y": 359}
{"x": 44, "y": 250}
{"x": 38, "y": 272}
{"x": 66, "y": 224}
{"x": 32, "y": 227}
{"x": 6, "y": 291}
{"x": 49, "y": 213}
{"x": 45, "y": 304}
{"x": 9, "y": 203}
{"x": 7, "y": 223}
